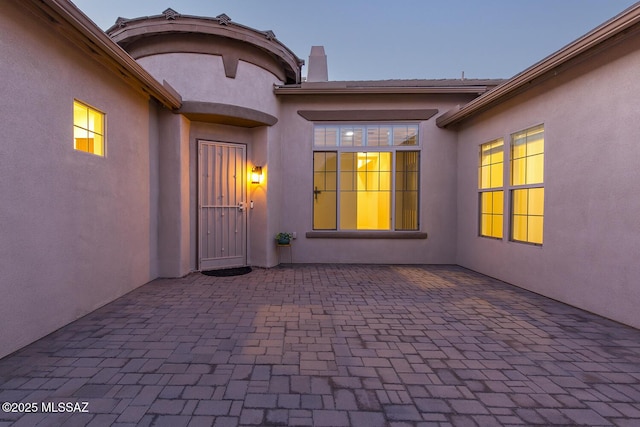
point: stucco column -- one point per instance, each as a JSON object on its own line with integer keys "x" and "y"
{"x": 173, "y": 199}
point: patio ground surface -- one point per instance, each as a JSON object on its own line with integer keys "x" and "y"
{"x": 329, "y": 345}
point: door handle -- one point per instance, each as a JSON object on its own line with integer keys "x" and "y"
{"x": 241, "y": 206}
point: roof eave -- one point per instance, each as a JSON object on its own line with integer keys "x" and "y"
{"x": 288, "y": 90}
{"x": 606, "y": 31}
{"x": 90, "y": 38}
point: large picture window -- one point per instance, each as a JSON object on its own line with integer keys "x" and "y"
{"x": 366, "y": 177}
{"x": 490, "y": 188}
{"x": 527, "y": 185}
{"x": 88, "y": 129}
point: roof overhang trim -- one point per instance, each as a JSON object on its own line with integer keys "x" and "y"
{"x": 76, "y": 27}
{"x": 367, "y": 115}
{"x": 234, "y": 115}
{"x": 522, "y": 81}
{"x": 389, "y": 90}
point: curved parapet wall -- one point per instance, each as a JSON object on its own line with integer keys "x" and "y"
{"x": 212, "y": 62}
{"x": 218, "y": 36}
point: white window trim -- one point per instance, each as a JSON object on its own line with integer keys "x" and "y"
{"x": 104, "y": 129}
{"x": 338, "y": 148}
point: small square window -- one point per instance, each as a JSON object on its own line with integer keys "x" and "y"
{"x": 88, "y": 129}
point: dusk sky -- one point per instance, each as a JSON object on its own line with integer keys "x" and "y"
{"x": 404, "y": 39}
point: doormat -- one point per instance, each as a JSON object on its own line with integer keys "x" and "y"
{"x": 227, "y": 272}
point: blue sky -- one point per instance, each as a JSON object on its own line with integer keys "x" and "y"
{"x": 404, "y": 39}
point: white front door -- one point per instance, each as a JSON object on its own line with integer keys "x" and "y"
{"x": 222, "y": 214}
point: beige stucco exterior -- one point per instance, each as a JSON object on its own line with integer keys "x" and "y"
{"x": 213, "y": 97}
{"x": 198, "y": 77}
{"x": 437, "y": 182}
{"x": 79, "y": 230}
{"x": 591, "y": 246}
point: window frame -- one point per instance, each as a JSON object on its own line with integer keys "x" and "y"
{"x": 491, "y": 189}
{"x": 526, "y": 186}
{"x": 90, "y": 129}
{"x": 339, "y": 148}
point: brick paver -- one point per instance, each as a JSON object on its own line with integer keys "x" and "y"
{"x": 330, "y": 345}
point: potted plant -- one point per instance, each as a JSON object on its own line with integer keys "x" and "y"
{"x": 284, "y": 238}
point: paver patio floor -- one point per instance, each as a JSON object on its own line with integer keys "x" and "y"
{"x": 331, "y": 345}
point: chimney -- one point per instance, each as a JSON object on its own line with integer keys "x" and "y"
{"x": 317, "y": 70}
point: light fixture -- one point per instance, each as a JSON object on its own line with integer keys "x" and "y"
{"x": 256, "y": 174}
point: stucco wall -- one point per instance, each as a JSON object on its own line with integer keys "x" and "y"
{"x": 592, "y": 181}
{"x": 437, "y": 183}
{"x": 199, "y": 77}
{"x": 77, "y": 230}
{"x": 174, "y": 228}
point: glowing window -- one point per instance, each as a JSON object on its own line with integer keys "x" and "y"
{"x": 325, "y": 169}
{"x": 371, "y": 135}
{"x": 88, "y": 129}
{"x": 491, "y": 194}
{"x": 527, "y": 189}
{"x": 355, "y": 188}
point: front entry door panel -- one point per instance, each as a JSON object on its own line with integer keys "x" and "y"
{"x": 222, "y": 215}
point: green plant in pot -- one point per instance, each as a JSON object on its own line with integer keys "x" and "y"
{"x": 284, "y": 238}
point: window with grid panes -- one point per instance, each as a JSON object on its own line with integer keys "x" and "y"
{"x": 527, "y": 185}
{"x": 490, "y": 189}
{"x": 88, "y": 129}
{"x": 366, "y": 177}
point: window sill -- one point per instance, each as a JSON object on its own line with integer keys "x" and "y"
{"x": 365, "y": 235}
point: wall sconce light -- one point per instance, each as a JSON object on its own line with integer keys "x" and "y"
{"x": 256, "y": 175}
